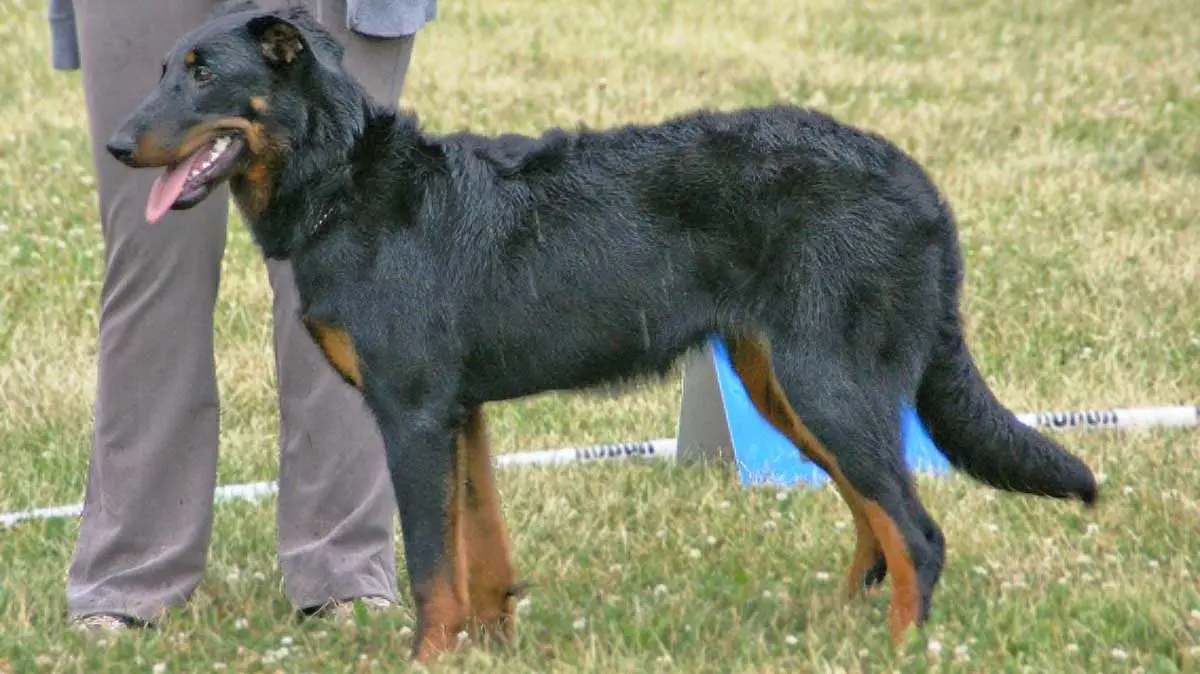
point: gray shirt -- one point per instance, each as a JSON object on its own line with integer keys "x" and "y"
{"x": 377, "y": 18}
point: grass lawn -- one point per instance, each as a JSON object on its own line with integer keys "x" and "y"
{"x": 1065, "y": 134}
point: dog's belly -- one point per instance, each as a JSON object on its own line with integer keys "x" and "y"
{"x": 569, "y": 361}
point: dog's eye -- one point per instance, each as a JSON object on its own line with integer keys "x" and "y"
{"x": 202, "y": 74}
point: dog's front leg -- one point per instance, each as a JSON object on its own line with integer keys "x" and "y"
{"x": 421, "y": 456}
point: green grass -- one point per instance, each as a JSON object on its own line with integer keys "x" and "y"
{"x": 1067, "y": 137}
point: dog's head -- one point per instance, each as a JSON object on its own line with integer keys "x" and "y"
{"x": 231, "y": 93}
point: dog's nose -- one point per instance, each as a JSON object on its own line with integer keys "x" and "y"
{"x": 121, "y": 147}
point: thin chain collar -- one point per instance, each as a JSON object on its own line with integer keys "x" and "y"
{"x": 321, "y": 220}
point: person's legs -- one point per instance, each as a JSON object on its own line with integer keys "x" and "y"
{"x": 336, "y": 506}
{"x": 147, "y": 517}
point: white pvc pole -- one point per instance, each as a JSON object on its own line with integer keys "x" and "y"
{"x": 1183, "y": 416}
{"x": 663, "y": 448}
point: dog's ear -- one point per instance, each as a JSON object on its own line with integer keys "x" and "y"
{"x": 291, "y": 34}
{"x": 280, "y": 40}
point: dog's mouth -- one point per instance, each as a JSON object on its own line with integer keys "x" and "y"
{"x": 187, "y": 182}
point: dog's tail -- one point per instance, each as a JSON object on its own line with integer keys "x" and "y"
{"x": 981, "y": 437}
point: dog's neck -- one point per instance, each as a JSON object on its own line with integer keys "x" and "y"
{"x": 312, "y": 188}
{"x": 294, "y": 214}
{"x": 306, "y": 187}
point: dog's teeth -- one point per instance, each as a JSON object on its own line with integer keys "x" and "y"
{"x": 218, "y": 147}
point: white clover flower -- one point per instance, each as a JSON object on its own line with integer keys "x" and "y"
{"x": 961, "y": 653}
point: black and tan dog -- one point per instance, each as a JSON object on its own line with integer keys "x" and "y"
{"x": 439, "y": 273}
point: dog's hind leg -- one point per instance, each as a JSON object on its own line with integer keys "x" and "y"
{"x": 851, "y": 415}
{"x": 751, "y": 359}
{"x": 491, "y": 579}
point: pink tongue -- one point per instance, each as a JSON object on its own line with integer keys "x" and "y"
{"x": 167, "y": 188}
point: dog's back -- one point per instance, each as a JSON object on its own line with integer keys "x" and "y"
{"x": 656, "y": 236}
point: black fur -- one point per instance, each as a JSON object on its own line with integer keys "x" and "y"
{"x": 469, "y": 269}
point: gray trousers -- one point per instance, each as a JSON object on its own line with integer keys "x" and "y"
{"x": 147, "y": 516}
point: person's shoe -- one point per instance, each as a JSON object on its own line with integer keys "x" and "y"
{"x": 343, "y": 609}
{"x": 102, "y": 623}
